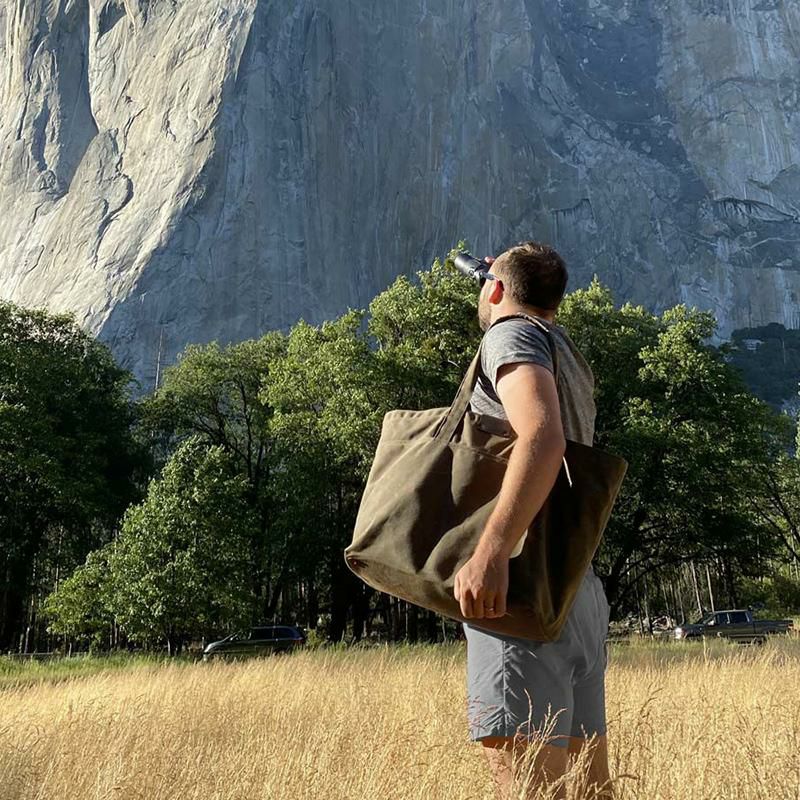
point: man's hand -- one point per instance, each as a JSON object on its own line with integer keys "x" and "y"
{"x": 481, "y": 585}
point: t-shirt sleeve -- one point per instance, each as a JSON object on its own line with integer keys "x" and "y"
{"x": 513, "y": 341}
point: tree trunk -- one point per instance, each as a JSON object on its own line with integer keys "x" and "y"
{"x": 360, "y": 610}
{"x": 613, "y": 581}
{"x": 275, "y": 595}
{"x": 369, "y": 610}
{"x": 677, "y": 593}
{"x": 412, "y": 617}
{"x": 344, "y": 585}
{"x": 15, "y": 599}
{"x": 647, "y": 613}
{"x": 667, "y": 604}
{"x": 31, "y": 639}
{"x": 397, "y": 620}
{"x": 696, "y": 587}
{"x": 312, "y": 605}
{"x": 639, "y": 608}
{"x": 730, "y": 583}
{"x": 430, "y": 624}
{"x": 710, "y": 592}
{"x": 386, "y": 614}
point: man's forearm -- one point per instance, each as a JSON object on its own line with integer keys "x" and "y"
{"x": 532, "y": 470}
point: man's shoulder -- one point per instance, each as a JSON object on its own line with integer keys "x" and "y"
{"x": 514, "y": 336}
{"x": 512, "y": 341}
{"x": 517, "y": 328}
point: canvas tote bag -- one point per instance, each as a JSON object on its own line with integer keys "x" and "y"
{"x": 433, "y": 483}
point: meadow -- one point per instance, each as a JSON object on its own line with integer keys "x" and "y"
{"x": 686, "y": 720}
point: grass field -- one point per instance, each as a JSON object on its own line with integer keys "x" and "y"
{"x": 686, "y": 722}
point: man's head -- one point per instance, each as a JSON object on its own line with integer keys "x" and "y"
{"x": 531, "y": 277}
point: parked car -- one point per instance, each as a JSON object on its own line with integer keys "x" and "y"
{"x": 257, "y": 641}
{"x": 737, "y": 624}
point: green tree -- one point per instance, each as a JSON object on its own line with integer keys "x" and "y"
{"x": 425, "y": 334}
{"x": 299, "y": 416}
{"x": 69, "y": 460}
{"x": 327, "y": 412}
{"x": 695, "y": 438}
{"x": 180, "y": 565}
{"x": 78, "y": 609}
{"x": 778, "y": 504}
{"x": 329, "y": 395}
{"x": 212, "y": 392}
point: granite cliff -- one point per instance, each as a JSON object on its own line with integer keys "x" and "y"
{"x": 178, "y": 171}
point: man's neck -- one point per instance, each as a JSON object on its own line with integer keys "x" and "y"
{"x": 546, "y": 314}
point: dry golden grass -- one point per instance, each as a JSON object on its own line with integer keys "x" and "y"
{"x": 386, "y": 723}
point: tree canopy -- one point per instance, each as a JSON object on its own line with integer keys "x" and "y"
{"x": 260, "y": 451}
{"x": 70, "y": 460}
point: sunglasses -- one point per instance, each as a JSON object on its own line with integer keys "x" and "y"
{"x": 484, "y": 276}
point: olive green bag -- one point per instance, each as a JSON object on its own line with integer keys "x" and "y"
{"x": 431, "y": 488}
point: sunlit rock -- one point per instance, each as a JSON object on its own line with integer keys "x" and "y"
{"x": 176, "y": 170}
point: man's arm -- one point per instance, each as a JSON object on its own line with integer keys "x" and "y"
{"x": 530, "y": 399}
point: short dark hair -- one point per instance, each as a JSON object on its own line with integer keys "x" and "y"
{"x": 534, "y": 274}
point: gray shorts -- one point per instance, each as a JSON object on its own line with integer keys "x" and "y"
{"x": 513, "y": 683}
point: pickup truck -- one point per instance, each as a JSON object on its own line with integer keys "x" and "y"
{"x": 736, "y": 624}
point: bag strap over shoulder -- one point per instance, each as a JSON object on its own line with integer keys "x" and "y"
{"x": 461, "y": 401}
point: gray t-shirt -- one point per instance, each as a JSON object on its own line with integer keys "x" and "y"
{"x": 517, "y": 340}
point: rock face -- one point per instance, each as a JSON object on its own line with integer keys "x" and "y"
{"x": 188, "y": 170}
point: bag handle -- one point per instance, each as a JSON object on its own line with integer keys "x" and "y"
{"x": 461, "y": 401}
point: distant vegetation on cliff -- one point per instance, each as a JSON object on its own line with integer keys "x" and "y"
{"x": 769, "y": 359}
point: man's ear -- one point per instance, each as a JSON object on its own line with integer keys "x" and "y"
{"x": 496, "y": 291}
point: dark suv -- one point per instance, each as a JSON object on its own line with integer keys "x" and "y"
{"x": 257, "y": 641}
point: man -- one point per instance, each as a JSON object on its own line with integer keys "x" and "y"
{"x": 515, "y": 686}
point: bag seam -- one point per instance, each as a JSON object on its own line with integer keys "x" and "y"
{"x": 501, "y": 459}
